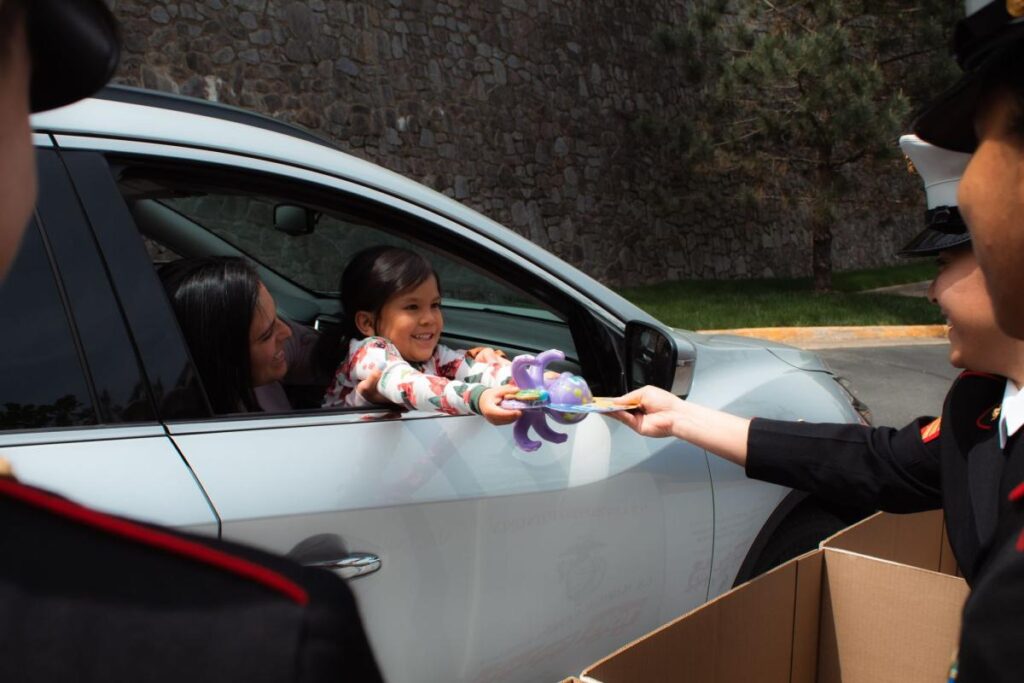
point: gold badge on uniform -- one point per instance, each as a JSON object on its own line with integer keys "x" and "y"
{"x": 1015, "y": 8}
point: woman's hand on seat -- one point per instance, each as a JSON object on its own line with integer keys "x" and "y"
{"x": 485, "y": 354}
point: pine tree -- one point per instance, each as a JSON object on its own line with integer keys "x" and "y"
{"x": 807, "y": 88}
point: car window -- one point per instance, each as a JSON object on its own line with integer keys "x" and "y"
{"x": 304, "y": 241}
{"x": 43, "y": 382}
{"x": 312, "y": 248}
{"x": 301, "y": 237}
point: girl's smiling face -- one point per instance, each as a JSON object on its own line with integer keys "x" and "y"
{"x": 411, "y": 320}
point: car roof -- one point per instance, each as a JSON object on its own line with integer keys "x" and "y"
{"x": 151, "y": 116}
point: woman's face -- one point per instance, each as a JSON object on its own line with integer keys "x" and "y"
{"x": 991, "y": 198}
{"x": 267, "y": 335}
{"x": 411, "y": 320}
{"x": 975, "y": 340}
{"x": 17, "y": 162}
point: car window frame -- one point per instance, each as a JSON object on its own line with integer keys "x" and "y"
{"x": 150, "y": 321}
{"x": 94, "y": 326}
{"x": 595, "y": 332}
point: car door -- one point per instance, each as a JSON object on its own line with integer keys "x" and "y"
{"x": 494, "y": 564}
{"x": 76, "y": 411}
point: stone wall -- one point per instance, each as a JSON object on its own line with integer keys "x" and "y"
{"x": 530, "y": 111}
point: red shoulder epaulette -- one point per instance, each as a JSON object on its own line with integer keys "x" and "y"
{"x": 155, "y": 538}
{"x": 930, "y": 431}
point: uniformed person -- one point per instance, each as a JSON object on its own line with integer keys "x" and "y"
{"x": 91, "y": 597}
{"x": 983, "y": 114}
{"x": 953, "y": 462}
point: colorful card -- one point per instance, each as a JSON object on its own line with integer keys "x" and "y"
{"x": 599, "y": 404}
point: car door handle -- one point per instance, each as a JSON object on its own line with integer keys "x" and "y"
{"x": 329, "y": 551}
{"x": 351, "y": 566}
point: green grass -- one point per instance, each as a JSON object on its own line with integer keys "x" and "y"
{"x": 918, "y": 270}
{"x": 705, "y": 305}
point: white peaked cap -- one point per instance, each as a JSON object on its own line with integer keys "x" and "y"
{"x": 940, "y": 169}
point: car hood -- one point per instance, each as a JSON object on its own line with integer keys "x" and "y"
{"x": 791, "y": 355}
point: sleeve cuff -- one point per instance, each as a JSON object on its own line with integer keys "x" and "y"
{"x": 474, "y": 398}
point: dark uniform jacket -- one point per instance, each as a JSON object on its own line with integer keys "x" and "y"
{"x": 954, "y": 463}
{"x": 92, "y": 597}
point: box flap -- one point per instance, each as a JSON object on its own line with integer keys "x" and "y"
{"x": 883, "y": 621}
{"x": 745, "y": 634}
{"x": 806, "y": 616}
{"x": 917, "y": 540}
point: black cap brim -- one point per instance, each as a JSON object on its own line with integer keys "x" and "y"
{"x": 74, "y": 48}
{"x": 948, "y": 121}
{"x": 944, "y": 229}
{"x": 930, "y": 241}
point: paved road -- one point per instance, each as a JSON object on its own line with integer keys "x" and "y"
{"x": 898, "y": 383}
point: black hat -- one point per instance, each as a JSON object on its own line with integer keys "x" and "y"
{"x": 980, "y": 40}
{"x": 940, "y": 169}
{"x": 74, "y": 46}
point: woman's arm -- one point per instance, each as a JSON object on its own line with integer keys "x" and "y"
{"x": 897, "y": 470}
{"x": 662, "y": 414}
{"x": 479, "y": 365}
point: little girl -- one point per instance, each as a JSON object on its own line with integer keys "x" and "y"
{"x": 391, "y": 313}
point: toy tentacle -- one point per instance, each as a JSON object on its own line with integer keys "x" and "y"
{"x": 542, "y": 361}
{"x": 521, "y": 366}
{"x": 521, "y": 433}
{"x": 545, "y": 431}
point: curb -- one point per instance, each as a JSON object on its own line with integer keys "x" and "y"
{"x": 821, "y": 337}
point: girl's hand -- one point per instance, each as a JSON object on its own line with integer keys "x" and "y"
{"x": 490, "y": 405}
{"x": 367, "y": 388}
{"x": 485, "y": 354}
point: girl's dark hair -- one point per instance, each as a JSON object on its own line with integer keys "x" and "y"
{"x": 214, "y": 298}
{"x": 375, "y": 275}
{"x": 371, "y": 277}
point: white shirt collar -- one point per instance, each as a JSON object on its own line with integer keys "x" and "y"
{"x": 1011, "y": 415}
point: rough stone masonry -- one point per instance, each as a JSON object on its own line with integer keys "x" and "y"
{"x": 529, "y": 111}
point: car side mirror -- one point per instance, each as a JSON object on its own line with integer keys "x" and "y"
{"x": 294, "y": 220}
{"x": 651, "y": 356}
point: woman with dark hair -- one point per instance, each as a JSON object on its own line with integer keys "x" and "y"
{"x": 230, "y": 323}
{"x": 392, "y": 323}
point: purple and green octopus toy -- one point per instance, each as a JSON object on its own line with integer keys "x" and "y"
{"x": 566, "y": 399}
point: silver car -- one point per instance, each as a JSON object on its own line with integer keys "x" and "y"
{"x": 472, "y": 560}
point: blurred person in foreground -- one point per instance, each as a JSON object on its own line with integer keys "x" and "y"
{"x": 86, "y": 596}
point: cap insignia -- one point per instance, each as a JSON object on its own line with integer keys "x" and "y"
{"x": 1015, "y": 8}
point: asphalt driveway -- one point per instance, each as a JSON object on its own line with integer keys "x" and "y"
{"x": 898, "y": 383}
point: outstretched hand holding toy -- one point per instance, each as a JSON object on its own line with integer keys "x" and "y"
{"x": 566, "y": 399}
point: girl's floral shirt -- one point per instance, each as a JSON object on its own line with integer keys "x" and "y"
{"x": 448, "y": 382}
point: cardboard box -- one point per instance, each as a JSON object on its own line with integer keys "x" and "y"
{"x": 831, "y": 616}
{"x": 918, "y": 540}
